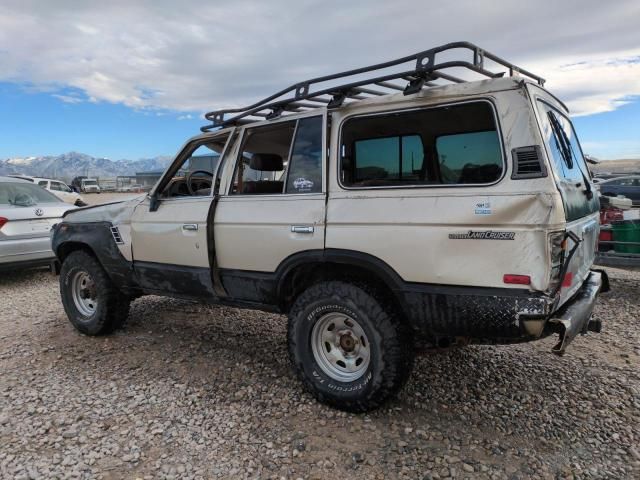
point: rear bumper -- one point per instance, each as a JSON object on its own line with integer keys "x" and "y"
{"x": 574, "y": 316}
{"x": 498, "y": 315}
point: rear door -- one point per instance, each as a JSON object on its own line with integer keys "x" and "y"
{"x": 579, "y": 195}
{"x": 273, "y": 205}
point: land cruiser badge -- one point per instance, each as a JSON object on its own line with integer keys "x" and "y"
{"x": 483, "y": 235}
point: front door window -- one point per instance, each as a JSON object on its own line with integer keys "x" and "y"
{"x": 194, "y": 176}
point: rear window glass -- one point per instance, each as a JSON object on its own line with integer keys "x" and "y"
{"x": 562, "y": 142}
{"x": 457, "y": 144}
{"x": 24, "y": 194}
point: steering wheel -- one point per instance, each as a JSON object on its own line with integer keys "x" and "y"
{"x": 190, "y": 177}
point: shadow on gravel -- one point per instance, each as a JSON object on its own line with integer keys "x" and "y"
{"x": 10, "y": 278}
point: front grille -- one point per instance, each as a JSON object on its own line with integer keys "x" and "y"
{"x": 116, "y": 235}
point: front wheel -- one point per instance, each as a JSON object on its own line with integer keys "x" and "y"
{"x": 349, "y": 348}
{"x": 92, "y": 302}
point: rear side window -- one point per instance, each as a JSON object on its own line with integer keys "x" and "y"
{"x": 284, "y": 157}
{"x": 452, "y": 145}
{"x": 456, "y": 151}
{"x": 397, "y": 158}
{"x": 305, "y": 172}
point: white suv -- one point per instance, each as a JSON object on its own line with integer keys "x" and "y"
{"x": 61, "y": 190}
{"x": 383, "y": 209}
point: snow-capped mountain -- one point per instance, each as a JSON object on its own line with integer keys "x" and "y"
{"x": 72, "y": 164}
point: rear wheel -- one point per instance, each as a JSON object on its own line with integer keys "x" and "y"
{"x": 92, "y": 302}
{"x": 348, "y": 347}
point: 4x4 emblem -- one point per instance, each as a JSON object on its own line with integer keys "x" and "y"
{"x": 39, "y": 212}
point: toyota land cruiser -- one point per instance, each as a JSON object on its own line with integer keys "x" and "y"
{"x": 431, "y": 200}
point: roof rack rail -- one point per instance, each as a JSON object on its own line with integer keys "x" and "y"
{"x": 427, "y": 72}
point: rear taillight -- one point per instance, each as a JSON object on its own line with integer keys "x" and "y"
{"x": 3, "y": 221}
{"x": 557, "y": 248}
{"x": 516, "y": 279}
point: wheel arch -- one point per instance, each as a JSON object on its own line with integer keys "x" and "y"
{"x": 96, "y": 239}
{"x": 64, "y": 249}
{"x": 301, "y": 270}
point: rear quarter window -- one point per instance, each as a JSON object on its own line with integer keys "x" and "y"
{"x": 448, "y": 145}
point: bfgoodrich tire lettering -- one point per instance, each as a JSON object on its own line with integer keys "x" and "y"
{"x": 390, "y": 347}
{"x": 110, "y": 307}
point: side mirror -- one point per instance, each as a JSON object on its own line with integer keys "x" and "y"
{"x": 154, "y": 203}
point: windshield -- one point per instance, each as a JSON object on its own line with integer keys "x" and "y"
{"x": 90, "y": 182}
{"x": 24, "y": 195}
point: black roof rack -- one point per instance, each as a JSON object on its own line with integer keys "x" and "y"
{"x": 382, "y": 80}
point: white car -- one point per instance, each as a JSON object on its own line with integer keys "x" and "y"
{"x": 27, "y": 213}
{"x": 61, "y": 190}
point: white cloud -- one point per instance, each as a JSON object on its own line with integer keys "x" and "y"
{"x": 193, "y": 56}
{"x": 67, "y": 98}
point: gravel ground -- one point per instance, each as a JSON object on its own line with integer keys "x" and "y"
{"x": 193, "y": 391}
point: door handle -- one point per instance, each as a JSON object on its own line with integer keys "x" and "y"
{"x": 301, "y": 229}
{"x": 192, "y": 227}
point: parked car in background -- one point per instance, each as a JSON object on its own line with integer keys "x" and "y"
{"x": 628, "y": 186}
{"x": 133, "y": 188}
{"x": 85, "y": 185}
{"x": 27, "y": 213}
{"x": 61, "y": 190}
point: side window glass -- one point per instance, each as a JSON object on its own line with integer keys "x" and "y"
{"x": 452, "y": 145}
{"x": 305, "y": 168}
{"x": 194, "y": 176}
{"x": 263, "y": 159}
{"x": 43, "y": 183}
{"x": 390, "y": 159}
{"x": 469, "y": 157}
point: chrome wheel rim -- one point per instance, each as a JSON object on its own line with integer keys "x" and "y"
{"x": 340, "y": 347}
{"x": 83, "y": 290}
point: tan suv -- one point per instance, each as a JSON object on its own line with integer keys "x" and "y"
{"x": 427, "y": 201}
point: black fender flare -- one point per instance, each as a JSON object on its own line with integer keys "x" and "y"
{"x": 97, "y": 238}
{"x": 382, "y": 271}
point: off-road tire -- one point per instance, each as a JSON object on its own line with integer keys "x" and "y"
{"x": 112, "y": 305}
{"x": 391, "y": 346}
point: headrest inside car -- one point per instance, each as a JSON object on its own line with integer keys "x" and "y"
{"x": 266, "y": 162}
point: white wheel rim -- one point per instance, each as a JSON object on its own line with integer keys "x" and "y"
{"x": 83, "y": 291}
{"x": 340, "y": 347}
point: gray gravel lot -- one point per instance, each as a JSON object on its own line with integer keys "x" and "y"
{"x": 193, "y": 391}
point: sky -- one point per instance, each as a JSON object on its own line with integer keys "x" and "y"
{"x": 132, "y": 79}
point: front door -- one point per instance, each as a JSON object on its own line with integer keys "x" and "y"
{"x": 272, "y": 206}
{"x": 169, "y": 229}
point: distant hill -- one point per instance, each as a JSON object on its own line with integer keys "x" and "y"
{"x": 617, "y": 166}
{"x": 72, "y": 164}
